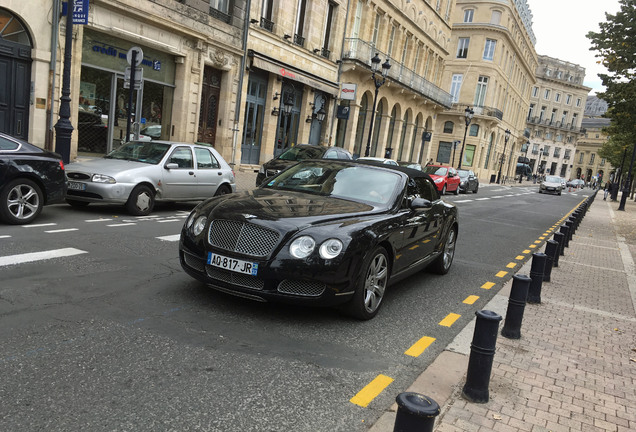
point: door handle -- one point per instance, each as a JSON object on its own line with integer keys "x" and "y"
{"x": 191, "y": 173}
{"x": 219, "y": 173}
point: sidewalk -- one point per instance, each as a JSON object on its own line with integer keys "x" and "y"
{"x": 574, "y": 368}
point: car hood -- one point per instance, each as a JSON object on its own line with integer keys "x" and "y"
{"x": 109, "y": 167}
{"x": 279, "y": 164}
{"x": 289, "y": 209}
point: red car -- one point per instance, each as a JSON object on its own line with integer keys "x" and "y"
{"x": 445, "y": 177}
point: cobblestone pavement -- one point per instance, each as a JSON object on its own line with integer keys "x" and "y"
{"x": 574, "y": 368}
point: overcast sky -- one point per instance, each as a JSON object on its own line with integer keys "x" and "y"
{"x": 560, "y": 27}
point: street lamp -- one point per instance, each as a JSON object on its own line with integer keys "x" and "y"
{"x": 375, "y": 64}
{"x": 539, "y": 162}
{"x": 63, "y": 127}
{"x": 468, "y": 117}
{"x": 503, "y": 154}
{"x": 525, "y": 156}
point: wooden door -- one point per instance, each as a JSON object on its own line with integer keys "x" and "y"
{"x": 209, "y": 105}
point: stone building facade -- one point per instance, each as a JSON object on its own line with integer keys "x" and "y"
{"x": 557, "y": 105}
{"x": 191, "y": 68}
{"x": 587, "y": 164}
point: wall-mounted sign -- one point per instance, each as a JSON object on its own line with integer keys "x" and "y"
{"x": 348, "y": 91}
{"x": 79, "y": 11}
{"x": 343, "y": 112}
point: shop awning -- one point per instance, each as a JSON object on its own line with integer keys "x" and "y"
{"x": 284, "y": 70}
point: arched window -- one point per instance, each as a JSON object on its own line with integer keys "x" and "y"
{"x": 376, "y": 129}
{"x": 474, "y": 130}
{"x": 362, "y": 118}
{"x": 392, "y": 120}
{"x": 448, "y": 127}
{"x": 12, "y": 30}
{"x": 414, "y": 139}
{"x": 403, "y": 135}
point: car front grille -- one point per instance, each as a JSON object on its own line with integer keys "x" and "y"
{"x": 301, "y": 288}
{"x": 77, "y": 176}
{"x": 233, "y": 278}
{"x": 242, "y": 237}
{"x": 195, "y": 262}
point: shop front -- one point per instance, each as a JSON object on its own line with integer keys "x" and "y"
{"x": 103, "y": 96}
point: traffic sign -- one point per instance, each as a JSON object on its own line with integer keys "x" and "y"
{"x": 139, "y": 77}
{"x": 138, "y": 58}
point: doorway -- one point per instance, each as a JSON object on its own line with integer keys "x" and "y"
{"x": 210, "y": 93}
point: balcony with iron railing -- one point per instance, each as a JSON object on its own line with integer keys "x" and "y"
{"x": 362, "y": 51}
{"x": 555, "y": 124}
{"x": 267, "y": 24}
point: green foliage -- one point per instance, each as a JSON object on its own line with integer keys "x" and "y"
{"x": 615, "y": 44}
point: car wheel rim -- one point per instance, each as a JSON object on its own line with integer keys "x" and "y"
{"x": 449, "y": 249}
{"x": 23, "y": 202}
{"x": 143, "y": 201}
{"x": 375, "y": 283}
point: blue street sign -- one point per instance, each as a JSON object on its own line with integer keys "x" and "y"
{"x": 79, "y": 10}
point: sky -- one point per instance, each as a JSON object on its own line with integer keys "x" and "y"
{"x": 560, "y": 27}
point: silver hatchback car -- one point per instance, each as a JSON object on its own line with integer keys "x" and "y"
{"x": 139, "y": 173}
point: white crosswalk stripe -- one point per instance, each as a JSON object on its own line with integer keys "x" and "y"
{"x": 39, "y": 256}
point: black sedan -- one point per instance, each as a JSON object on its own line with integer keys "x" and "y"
{"x": 322, "y": 233}
{"x": 30, "y": 178}
{"x": 296, "y": 154}
{"x": 468, "y": 181}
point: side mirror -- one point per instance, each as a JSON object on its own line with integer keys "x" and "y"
{"x": 420, "y": 203}
{"x": 171, "y": 165}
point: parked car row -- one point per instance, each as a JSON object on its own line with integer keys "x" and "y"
{"x": 136, "y": 175}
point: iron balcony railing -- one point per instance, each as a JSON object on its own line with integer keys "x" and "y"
{"x": 478, "y": 110}
{"x": 552, "y": 123}
{"x": 362, "y": 51}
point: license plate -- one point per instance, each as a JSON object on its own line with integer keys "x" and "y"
{"x": 76, "y": 186}
{"x": 232, "y": 264}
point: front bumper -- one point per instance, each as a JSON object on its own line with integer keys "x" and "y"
{"x": 100, "y": 192}
{"x": 278, "y": 280}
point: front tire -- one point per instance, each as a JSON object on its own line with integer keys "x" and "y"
{"x": 21, "y": 201}
{"x": 443, "y": 192}
{"x": 141, "y": 201}
{"x": 476, "y": 189}
{"x": 443, "y": 262}
{"x": 369, "y": 293}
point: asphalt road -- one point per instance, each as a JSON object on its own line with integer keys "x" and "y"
{"x": 113, "y": 335}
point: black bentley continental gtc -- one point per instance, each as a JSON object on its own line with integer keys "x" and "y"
{"x": 322, "y": 232}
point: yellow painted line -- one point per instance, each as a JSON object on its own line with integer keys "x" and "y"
{"x": 511, "y": 265}
{"x": 541, "y": 238}
{"x": 449, "y": 320}
{"x": 501, "y": 274}
{"x": 371, "y": 391}
{"x": 397, "y": 257}
{"x": 526, "y": 251}
{"x": 537, "y": 242}
{"x": 471, "y": 299}
{"x": 414, "y": 247}
{"x": 488, "y": 285}
{"x": 426, "y": 241}
{"x": 418, "y": 347}
{"x": 520, "y": 257}
{"x": 532, "y": 246}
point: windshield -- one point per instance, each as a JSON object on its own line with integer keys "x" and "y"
{"x": 301, "y": 153}
{"x": 440, "y": 171}
{"x": 552, "y": 179}
{"x": 140, "y": 151}
{"x": 356, "y": 183}
{"x": 462, "y": 173}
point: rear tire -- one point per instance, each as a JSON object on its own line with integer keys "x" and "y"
{"x": 222, "y": 190}
{"x": 476, "y": 189}
{"x": 443, "y": 192}
{"x": 371, "y": 287}
{"x": 141, "y": 201}
{"x": 443, "y": 262}
{"x": 456, "y": 192}
{"x": 21, "y": 201}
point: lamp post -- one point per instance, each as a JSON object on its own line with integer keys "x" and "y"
{"x": 375, "y": 64}
{"x": 468, "y": 117}
{"x": 503, "y": 155}
{"x": 525, "y": 156}
{"x": 63, "y": 127}
{"x": 539, "y": 162}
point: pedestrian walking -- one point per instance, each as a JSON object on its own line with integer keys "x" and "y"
{"x": 608, "y": 185}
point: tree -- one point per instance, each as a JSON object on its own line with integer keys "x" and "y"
{"x": 615, "y": 44}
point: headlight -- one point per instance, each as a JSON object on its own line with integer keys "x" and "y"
{"x": 190, "y": 220}
{"x": 101, "y": 178}
{"x": 331, "y": 248}
{"x": 302, "y": 247}
{"x": 199, "y": 225}
{"x": 439, "y": 180}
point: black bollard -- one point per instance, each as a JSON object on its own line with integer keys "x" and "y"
{"x": 570, "y": 224}
{"x": 551, "y": 250}
{"x": 536, "y": 274}
{"x": 560, "y": 238}
{"x": 565, "y": 230}
{"x": 516, "y": 306}
{"x": 482, "y": 351}
{"x": 415, "y": 412}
